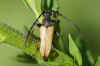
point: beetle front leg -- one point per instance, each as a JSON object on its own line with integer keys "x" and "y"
{"x": 31, "y": 29}
{"x": 37, "y": 44}
{"x": 30, "y": 34}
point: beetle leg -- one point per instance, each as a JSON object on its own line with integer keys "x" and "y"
{"x": 37, "y": 43}
{"x": 67, "y": 19}
{"x": 54, "y": 54}
{"x": 56, "y": 33}
{"x": 25, "y": 29}
{"x": 70, "y": 21}
{"x": 55, "y": 20}
{"x": 30, "y": 32}
{"x": 28, "y": 37}
{"x": 57, "y": 16}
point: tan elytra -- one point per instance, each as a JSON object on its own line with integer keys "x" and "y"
{"x": 46, "y": 37}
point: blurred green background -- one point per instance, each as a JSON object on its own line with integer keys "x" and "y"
{"x": 84, "y": 12}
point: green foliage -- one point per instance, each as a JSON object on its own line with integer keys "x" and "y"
{"x": 35, "y": 5}
{"x": 90, "y": 57}
{"x": 98, "y": 61}
{"x": 16, "y": 39}
{"x": 38, "y": 6}
{"x": 87, "y": 58}
{"x": 74, "y": 51}
{"x": 49, "y": 5}
{"x": 8, "y": 34}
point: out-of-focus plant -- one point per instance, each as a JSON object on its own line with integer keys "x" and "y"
{"x": 76, "y": 54}
{"x": 14, "y": 38}
{"x": 98, "y": 61}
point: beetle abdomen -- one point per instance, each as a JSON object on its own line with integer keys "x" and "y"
{"x": 46, "y": 37}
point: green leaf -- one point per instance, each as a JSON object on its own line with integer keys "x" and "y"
{"x": 55, "y": 5}
{"x": 74, "y": 50}
{"x": 40, "y": 5}
{"x": 87, "y": 57}
{"x": 90, "y": 57}
{"x": 2, "y": 38}
{"x": 98, "y": 61}
{"x": 35, "y": 5}
{"x": 49, "y": 5}
{"x": 16, "y": 39}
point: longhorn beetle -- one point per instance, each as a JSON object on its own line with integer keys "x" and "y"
{"x": 46, "y": 31}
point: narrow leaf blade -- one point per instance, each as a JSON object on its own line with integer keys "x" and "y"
{"x": 74, "y": 51}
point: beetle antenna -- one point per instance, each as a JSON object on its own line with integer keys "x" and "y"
{"x": 67, "y": 19}
{"x": 30, "y": 31}
{"x": 70, "y": 21}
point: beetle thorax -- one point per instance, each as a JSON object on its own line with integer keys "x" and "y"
{"x": 47, "y": 19}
